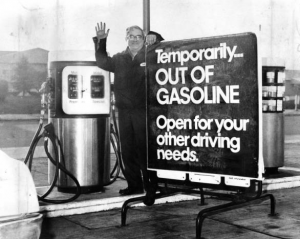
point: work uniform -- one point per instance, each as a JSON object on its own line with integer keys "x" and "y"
{"x": 130, "y": 95}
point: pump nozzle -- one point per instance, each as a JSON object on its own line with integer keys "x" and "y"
{"x": 45, "y": 90}
{"x": 113, "y": 100}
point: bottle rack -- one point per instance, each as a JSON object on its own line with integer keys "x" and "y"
{"x": 273, "y": 89}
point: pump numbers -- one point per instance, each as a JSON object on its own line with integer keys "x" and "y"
{"x": 97, "y": 86}
{"x": 73, "y": 87}
{"x": 85, "y": 90}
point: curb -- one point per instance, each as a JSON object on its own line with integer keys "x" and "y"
{"x": 106, "y": 204}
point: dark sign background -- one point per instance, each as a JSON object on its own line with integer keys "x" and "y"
{"x": 240, "y": 71}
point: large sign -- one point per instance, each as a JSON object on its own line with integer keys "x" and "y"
{"x": 203, "y": 109}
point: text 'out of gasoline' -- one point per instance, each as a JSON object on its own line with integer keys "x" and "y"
{"x": 198, "y": 94}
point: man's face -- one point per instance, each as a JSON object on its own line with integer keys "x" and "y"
{"x": 135, "y": 40}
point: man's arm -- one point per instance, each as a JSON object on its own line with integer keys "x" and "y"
{"x": 103, "y": 60}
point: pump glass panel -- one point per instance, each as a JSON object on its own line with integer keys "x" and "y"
{"x": 73, "y": 88}
{"x": 85, "y": 90}
{"x": 97, "y": 87}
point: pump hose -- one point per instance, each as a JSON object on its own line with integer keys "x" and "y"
{"x": 116, "y": 135}
{"x": 118, "y": 164}
{"x": 32, "y": 144}
{"x": 62, "y": 168}
{"x": 58, "y": 166}
{"x": 115, "y": 142}
{"x": 30, "y": 157}
{"x": 48, "y": 136}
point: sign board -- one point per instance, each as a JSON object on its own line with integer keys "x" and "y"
{"x": 203, "y": 109}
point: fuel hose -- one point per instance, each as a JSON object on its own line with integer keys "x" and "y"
{"x": 50, "y": 137}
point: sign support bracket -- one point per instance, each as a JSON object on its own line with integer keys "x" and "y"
{"x": 238, "y": 200}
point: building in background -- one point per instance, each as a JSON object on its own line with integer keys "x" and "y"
{"x": 37, "y": 59}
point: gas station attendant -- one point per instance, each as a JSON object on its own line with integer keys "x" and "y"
{"x": 130, "y": 93}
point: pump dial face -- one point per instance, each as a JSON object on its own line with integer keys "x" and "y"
{"x": 73, "y": 89}
{"x": 97, "y": 86}
{"x": 85, "y": 90}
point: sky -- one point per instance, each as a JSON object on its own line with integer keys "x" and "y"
{"x": 70, "y": 24}
{"x": 63, "y": 24}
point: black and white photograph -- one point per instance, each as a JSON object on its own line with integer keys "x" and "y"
{"x": 151, "y": 119}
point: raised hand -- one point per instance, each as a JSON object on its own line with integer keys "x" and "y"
{"x": 100, "y": 31}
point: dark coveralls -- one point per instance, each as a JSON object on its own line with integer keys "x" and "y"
{"x": 130, "y": 95}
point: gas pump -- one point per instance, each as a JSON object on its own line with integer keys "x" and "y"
{"x": 79, "y": 110}
{"x": 79, "y": 132}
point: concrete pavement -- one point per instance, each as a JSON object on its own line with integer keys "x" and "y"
{"x": 177, "y": 220}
